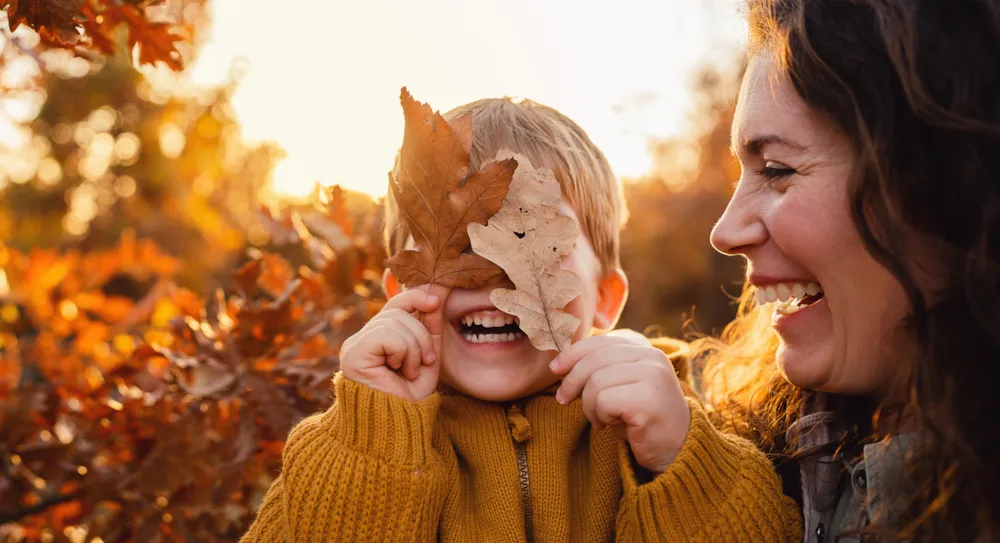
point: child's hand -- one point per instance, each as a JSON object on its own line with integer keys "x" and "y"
{"x": 630, "y": 385}
{"x": 396, "y": 352}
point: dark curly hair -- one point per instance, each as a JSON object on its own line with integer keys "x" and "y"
{"x": 915, "y": 85}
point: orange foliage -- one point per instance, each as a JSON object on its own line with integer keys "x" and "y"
{"x": 161, "y": 416}
{"x": 90, "y": 25}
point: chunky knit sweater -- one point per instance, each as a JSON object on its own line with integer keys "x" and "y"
{"x": 452, "y": 468}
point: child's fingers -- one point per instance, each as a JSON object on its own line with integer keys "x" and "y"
{"x": 572, "y": 385}
{"x": 408, "y": 360}
{"x": 420, "y": 333}
{"x": 565, "y": 360}
{"x": 381, "y": 345}
{"x": 394, "y": 315}
{"x": 411, "y": 368}
{"x": 414, "y": 300}
{"x": 603, "y": 379}
{"x": 617, "y": 404}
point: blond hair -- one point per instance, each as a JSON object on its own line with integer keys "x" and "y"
{"x": 550, "y": 140}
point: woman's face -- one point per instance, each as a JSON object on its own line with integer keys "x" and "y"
{"x": 836, "y": 311}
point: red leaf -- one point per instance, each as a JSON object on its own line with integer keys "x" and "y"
{"x": 155, "y": 41}
{"x": 57, "y": 21}
{"x": 246, "y": 278}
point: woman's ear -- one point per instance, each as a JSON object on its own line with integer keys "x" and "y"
{"x": 612, "y": 292}
{"x": 390, "y": 285}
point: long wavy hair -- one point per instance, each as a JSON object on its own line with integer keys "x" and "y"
{"x": 915, "y": 84}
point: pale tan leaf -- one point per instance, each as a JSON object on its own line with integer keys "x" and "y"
{"x": 528, "y": 237}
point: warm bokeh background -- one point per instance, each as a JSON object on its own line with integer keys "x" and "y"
{"x": 147, "y": 390}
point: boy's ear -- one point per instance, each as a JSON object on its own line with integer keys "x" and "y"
{"x": 612, "y": 291}
{"x": 390, "y": 285}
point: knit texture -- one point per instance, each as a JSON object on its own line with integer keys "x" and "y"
{"x": 378, "y": 468}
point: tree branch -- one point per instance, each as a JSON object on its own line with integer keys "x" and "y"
{"x": 51, "y": 501}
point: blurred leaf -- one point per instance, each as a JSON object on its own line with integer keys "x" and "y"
{"x": 56, "y": 20}
{"x": 155, "y": 41}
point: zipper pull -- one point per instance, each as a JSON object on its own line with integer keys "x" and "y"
{"x": 520, "y": 428}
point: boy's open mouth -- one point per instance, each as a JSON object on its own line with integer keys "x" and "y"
{"x": 490, "y": 326}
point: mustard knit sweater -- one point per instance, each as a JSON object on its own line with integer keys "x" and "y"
{"x": 451, "y": 468}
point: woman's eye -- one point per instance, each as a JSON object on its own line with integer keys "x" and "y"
{"x": 773, "y": 172}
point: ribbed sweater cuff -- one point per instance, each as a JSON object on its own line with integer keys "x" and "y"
{"x": 704, "y": 473}
{"x": 381, "y": 425}
{"x": 719, "y": 488}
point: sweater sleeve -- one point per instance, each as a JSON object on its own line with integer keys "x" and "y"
{"x": 365, "y": 470}
{"x": 719, "y": 488}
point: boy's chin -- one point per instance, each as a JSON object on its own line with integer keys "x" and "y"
{"x": 491, "y": 386}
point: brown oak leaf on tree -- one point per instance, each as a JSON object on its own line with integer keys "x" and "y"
{"x": 528, "y": 238}
{"x": 438, "y": 198}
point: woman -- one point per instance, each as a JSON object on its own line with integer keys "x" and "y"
{"x": 868, "y": 210}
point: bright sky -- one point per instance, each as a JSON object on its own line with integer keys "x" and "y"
{"x": 324, "y": 76}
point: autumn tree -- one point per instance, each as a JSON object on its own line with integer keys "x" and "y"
{"x": 138, "y": 402}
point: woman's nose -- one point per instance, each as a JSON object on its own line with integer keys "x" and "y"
{"x": 740, "y": 228}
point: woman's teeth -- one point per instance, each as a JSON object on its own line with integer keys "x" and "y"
{"x": 485, "y": 320}
{"x": 789, "y": 296}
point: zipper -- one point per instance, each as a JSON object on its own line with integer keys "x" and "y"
{"x": 520, "y": 431}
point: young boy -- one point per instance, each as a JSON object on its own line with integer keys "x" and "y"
{"x": 444, "y": 431}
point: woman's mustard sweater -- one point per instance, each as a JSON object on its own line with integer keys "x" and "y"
{"x": 451, "y": 468}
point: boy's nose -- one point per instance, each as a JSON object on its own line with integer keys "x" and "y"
{"x": 740, "y": 228}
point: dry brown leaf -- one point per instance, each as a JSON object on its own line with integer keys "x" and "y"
{"x": 438, "y": 199}
{"x": 528, "y": 238}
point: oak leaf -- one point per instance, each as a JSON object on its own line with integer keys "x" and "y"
{"x": 528, "y": 237}
{"x": 439, "y": 198}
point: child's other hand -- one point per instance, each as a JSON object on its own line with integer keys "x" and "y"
{"x": 631, "y": 386}
{"x": 395, "y": 352}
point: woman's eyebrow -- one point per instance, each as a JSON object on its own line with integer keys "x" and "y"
{"x": 753, "y": 146}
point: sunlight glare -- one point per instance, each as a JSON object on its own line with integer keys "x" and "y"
{"x": 326, "y": 89}
{"x": 293, "y": 178}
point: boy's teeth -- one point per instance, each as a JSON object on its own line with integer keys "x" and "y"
{"x": 489, "y": 319}
{"x": 813, "y": 289}
{"x": 493, "y": 338}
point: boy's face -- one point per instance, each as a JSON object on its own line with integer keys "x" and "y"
{"x": 505, "y": 366}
